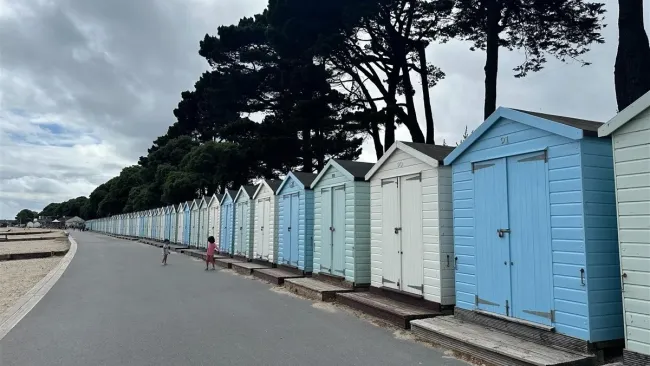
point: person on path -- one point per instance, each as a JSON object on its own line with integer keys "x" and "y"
{"x": 209, "y": 255}
{"x": 165, "y": 249}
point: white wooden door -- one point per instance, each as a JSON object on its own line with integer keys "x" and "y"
{"x": 390, "y": 213}
{"x": 326, "y": 231}
{"x": 338, "y": 231}
{"x": 411, "y": 251}
{"x": 246, "y": 216}
{"x": 265, "y": 222}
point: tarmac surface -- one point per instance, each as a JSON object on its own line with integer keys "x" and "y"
{"x": 116, "y": 305}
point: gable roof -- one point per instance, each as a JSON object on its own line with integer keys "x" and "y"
{"x": 430, "y": 154}
{"x": 583, "y": 124}
{"x": 180, "y": 206}
{"x": 624, "y": 116}
{"x": 568, "y": 127}
{"x": 195, "y": 203}
{"x": 229, "y": 193}
{"x": 354, "y": 170}
{"x": 273, "y": 185}
{"x": 249, "y": 189}
{"x": 305, "y": 179}
{"x": 188, "y": 204}
{"x": 203, "y": 202}
{"x": 215, "y": 198}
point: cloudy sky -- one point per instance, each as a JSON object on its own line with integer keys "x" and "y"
{"x": 86, "y": 85}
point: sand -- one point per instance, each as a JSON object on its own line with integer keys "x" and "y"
{"x": 56, "y": 243}
{"x": 20, "y": 276}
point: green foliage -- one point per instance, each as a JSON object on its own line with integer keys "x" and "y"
{"x": 26, "y": 215}
{"x": 564, "y": 29}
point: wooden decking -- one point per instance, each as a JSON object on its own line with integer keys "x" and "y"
{"x": 314, "y": 289}
{"x": 492, "y": 346}
{"x": 275, "y": 276}
{"x": 392, "y": 311}
{"x": 225, "y": 262}
{"x": 247, "y": 268}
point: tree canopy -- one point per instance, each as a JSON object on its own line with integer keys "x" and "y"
{"x": 306, "y": 81}
{"x": 25, "y": 216}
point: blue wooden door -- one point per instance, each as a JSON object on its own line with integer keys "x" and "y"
{"x": 295, "y": 228}
{"x": 286, "y": 228}
{"x": 326, "y": 230}
{"x": 530, "y": 241}
{"x": 338, "y": 231}
{"x": 492, "y": 249}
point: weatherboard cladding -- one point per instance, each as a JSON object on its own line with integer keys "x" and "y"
{"x": 266, "y": 190}
{"x": 227, "y": 217}
{"x": 630, "y": 131}
{"x": 298, "y": 182}
{"x": 581, "y": 209}
{"x": 244, "y": 195}
{"x": 437, "y": 239}
{"x": 214, "y": 217}
{"x": 357, "y": 217}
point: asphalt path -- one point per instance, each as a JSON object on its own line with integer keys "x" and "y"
{"x": 116, "y": 305}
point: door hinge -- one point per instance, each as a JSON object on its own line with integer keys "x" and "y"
{"x": 384, "y": 280}
{"x": 417, "y": 177}
{"x": 388, "y": 181}
{"x": 550, "y": 315}
{"x": 478, "y": 300}
{"x": 325, "y": 268}
{"x": 420, "y": 288}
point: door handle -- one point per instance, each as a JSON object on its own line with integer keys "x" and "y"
{"x": 397, "y": 230}
{"x": 289, "y": 228}
{"x": 331, "y": 228}
{"x": 501, "y": 232}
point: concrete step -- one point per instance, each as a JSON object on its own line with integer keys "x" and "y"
{"x": 314, "y": 289}
{"x": 275, "y": 276}
{"x": 390, "y": 310}
{"x": 493, "y": 346}
{"x": 247, "y": 268}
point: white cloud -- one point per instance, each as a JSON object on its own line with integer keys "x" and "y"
{"x": 86, "y": 85}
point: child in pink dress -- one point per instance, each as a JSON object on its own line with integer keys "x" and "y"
{"x": 209, "y": 256}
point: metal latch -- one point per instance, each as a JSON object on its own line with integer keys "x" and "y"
{"x": 501, "y": 232}
{"x": 397, "y": 230}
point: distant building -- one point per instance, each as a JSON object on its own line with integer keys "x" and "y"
{"x": 75, "y": 222}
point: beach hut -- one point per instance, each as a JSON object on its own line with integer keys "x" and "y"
{"x": 342, "y": 222}
{"x": 147, "y": 223}
{"x": 173, "y": 224}
{"x": 187, "y": 223}
{"x": 535, "y": 225}
{"x": 266, "y": 220}
{"x": 180, "y": 223}
{"x": 162, "y": 221}
{"x": 214, "y": 222}
{"x": 244, "y": 221}
{"x": 630, "y": 133}
{"x": 196, "y": 219}
{"x": 155, "y": 214}
{"x": 227, "y": 230}
{"x": 203, "y": 223}
{"x": 411, "y": 231}
{"x": 296, "y": 221}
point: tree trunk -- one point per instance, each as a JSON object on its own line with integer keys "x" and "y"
{"x": 411, "y": 121}
{"x": 425, "y": 92}
{"x": 492, "y": 59}
{"x": 391, "y": 106}
{"x": 631, "y": 73}
{"x": 374, "y": 133}
{"x": 307, "y": 161}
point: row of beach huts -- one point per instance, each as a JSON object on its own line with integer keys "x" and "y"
{"x": 527, "y": 244}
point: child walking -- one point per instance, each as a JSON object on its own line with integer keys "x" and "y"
{"x": 165, "y": 249}
{"x": 209, "y": 255}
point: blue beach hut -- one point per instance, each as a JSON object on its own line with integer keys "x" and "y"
{"x": 187, "y": 223}
{"x": 227, "y": 231}
{"x": 535, "y": 234}
{"x": 296, "y": 221}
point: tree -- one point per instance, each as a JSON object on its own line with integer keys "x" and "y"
{"x": 25, "y": 216}
{"x": 631, "y": 74}
{"x": 561, "y": 28}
